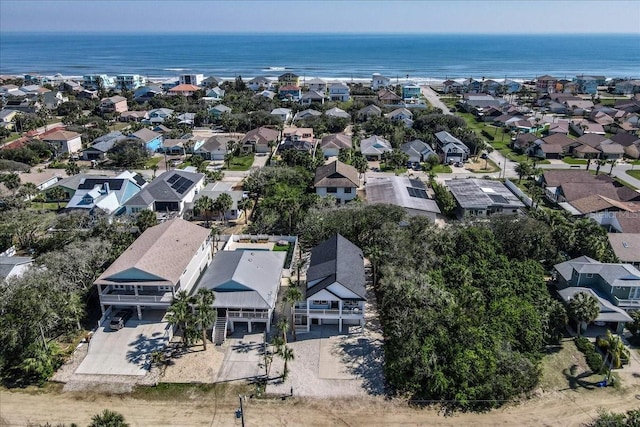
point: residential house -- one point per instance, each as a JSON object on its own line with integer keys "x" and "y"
{"x": 379, "y": 81}
{"x": 130, "y": 81}
{"x": 210, "y": 81}
{"x": 213, "y": 190}
{"x": 337, "y": 179}
{"x": 451, "y": 149}
{"x": 290, "y": 93}
{"x": 134, "y": 116}
{"x": 42, "y": 180}
{"x": 102, "y": 145}
{"x": 409, "y": 194}
{"x": 214, "y": 95}
{"x": 147, "y": 93}
{"x": 339, "y": 92}
{"x": 64, "y": 141}
{"x": 260, "y": 140}
{"x": 374, "y": 147}
{"x": 337, "y": 113}
{"x": 452, "y": 86}
{"x": 510, "y": 86}
{"x": 265, "y": 94}
{"x": 472, "y": 85}
{"x": 164, "y": 260}
{"x": 95, "y": 81}
{"x": 191, "y": 79}
{"x": 418, "y": 151}
{"x": 7, "y": 117}
{"x": 399, "y": 114}
{"x": 173, "y": 146}
{"x": 483, "y": 197}
{"x": 159, "y": 115}
{"x": 13, "y": 266}
{"x": 259, "y": 84}
{"x": 297, "y": 138}
{"x": 630, "y": 143}
{"x": 289, "y": 79}
{"x": 335, "y": 292}
{"x": 245, "y": 284}
{"x": 542, "y": 150}
{"x": 284, "y": 114}
{"x": 23, "y": 105}
{"x": 183, "y": 90}
{"x": 186, "y": 119}
{"x": 388, "y": 97}
{"x": 627, "y": 87}
{"x": 626, "y": 247}
{"x": 113, "y": 104}
{"x": 618, "y": 222}
{"x": 53, "y": 98}
{"x": 219, "y": 110}
{"x": 215, "y": 147}
{"x": 332, "y": 144}
{"x": 411, "y": 92}
{"x": 523, "y": 142}
{"x": 88, "y": 94}
{"x": 151, "y": 140}
{"x": 371, "y": 110}
{"x": 71, "y": 184}
{"x": 317, "y": 85}
{"x": 107, "y": 195}
{"x": 169, "y": 192}
{"x": 546, "y": 83}
{"x": 615, "y": 286}
{"x": 312, "y": 96}
{"x": 306, "y": 114}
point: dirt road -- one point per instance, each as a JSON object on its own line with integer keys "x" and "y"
{"x": 567, "y": 408}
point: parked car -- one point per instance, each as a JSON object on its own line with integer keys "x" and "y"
{"x": 119, "y": 320}
{"x": 484, "y": 156}
{"x": 417, "y": 167}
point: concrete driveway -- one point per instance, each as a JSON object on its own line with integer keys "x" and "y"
{"x": 242, "y": 356}
{"x": 127, "y": 351}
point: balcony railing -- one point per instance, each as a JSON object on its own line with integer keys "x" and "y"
{"x": 133, "y": 299}
{"x": 247, "y": 314}
{"x": 346, "y": 312}
{"x": 628, "y": 303}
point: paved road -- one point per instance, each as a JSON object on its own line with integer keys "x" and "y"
{"x": 433, "y": 99}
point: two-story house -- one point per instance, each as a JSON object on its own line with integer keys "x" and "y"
{"x": 379, "y": 81}
{"x": 113, "y": 104}
{"x": 290, "y": 92}
{"x": 339, "y": 92}
{"x": 450, "y": 148}
{"x": 332, "y": 144}
{"x": 95, "y": 81}
{"x": 410, "y": 92}
{"x": 337, "y": 179}
{"x": 130, "y": 81}
{"x": 289, "y": 79}
{"x": 260, "y": 140}
{"x": 64, "y": 141}
{"x": 151, "y": 140}
{"x": 166, "y": 259}
{"x": 335, "y": 292}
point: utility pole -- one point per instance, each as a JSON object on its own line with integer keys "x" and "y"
{"x": 241, "y": 410}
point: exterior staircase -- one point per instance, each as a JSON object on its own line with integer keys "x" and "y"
{"x": 220, "y": 330}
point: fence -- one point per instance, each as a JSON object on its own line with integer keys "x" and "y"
{"x": 515, "y": 190}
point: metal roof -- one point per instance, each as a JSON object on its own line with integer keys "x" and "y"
{"x": 482, "y": 194}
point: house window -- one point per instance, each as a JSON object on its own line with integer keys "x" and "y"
{"x": 347, "y": 190}
{"x": 332, "y": 190}
{"x": 589, "y": 275}
{"x": 320, "y": 302}
{"x": 119, "y": 287}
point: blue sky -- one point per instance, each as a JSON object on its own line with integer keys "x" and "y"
{"x": 320, "y": 16}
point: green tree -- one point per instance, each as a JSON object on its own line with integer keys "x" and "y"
{"x": 180, "y": 314}
{"x": 108, "y": 418}
{"x": 286, "y": 353}
{"x": 72, "y": 168}
{"x": 11, "y": 181}
{"x": 245, "y": 204}
{"x": 28, "y": 190}
{"x": 360, "y": 163}
{"x": 584, "y": 308}
{"x": 146, "y": 218}
{"x": 634, "y": 327}
{"x": 205, "y": 314}
{"x": 610, "y": 419}
{"x": 283, "y": 327}
{"x": 222, "y": 204}
{"x": 58, "y": 194}
{"x": 204, "y": 206}
{"x": 523, "y": 169}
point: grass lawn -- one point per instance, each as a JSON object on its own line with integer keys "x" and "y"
{"x": 12, "y": 137}
{"x": 49, "y": 206}
{"x": 441, "y": 169}
{"x": 152, "y": 161}
{"x": 564, "y": 368}
{"x": 119, "y": 125}
{"x": 572, "y": 161}
{"x": 241, "y": 163}
{"x": 479, "y": 166}
{"x": 635, "y": 162}
{"x": 634, "y": 173}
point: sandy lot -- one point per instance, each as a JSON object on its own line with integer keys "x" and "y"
{"x": 194, "y": 365}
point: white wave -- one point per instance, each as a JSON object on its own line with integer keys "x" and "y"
{"x": 176, "y": 69}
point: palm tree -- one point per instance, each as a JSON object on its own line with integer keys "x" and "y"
{"x": 583, "y": 308}
{"x": 204, "y": 206}
{"x": 523, "y": 169}
{"x": 612, "y": 162}
{"x": 72, "y": 168}
{"x": 244, "y": 205}
{"x": 284, "y": 326}
{"x": 286, "y": 353}
{"x": 57, "y": 194}
{"x": 489, "y": 150}
{"x": 205, "y": 314}
{"x": 292, "y": 295}
{"x": 11, "y": 181}
{"x": 617, "y": 350}
{"x": 108, "y": 418}
{"x": 28, "y": 190}
{"x": 154, "y": 168}
{"x": 600, "y": 163}
{"x": 179, "y": 314}
{"x": 222, "y": 204}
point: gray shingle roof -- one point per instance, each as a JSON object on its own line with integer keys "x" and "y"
{"x": 336, "y": 174}
{"x": 336, "y": 260}
{"x": 393, "y": 190}
{"x": 482, "y": 193}
{"x": 160, "y": 190}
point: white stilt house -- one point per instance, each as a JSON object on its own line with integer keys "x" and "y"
{"x": 335, "y": 292}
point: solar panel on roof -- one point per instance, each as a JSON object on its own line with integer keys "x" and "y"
{"x": 416, "y": 183}
{"x": 498, "y": 198}
{"x": 417, "y": 192}
{"x": 173, "y": 178}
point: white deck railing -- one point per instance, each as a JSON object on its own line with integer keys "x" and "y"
{"x": 247, "y": 314}
{"x": 127, "y": 298}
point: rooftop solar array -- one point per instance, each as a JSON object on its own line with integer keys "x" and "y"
{"x": 180, "y": 183}
{"x": 417, "y": 192}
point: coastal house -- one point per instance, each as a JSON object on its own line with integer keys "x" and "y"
{"x": 284, "y": 114}
{"x": 95, "y": 81}
{"x": 317, "y": 85}
{"x": 214, "y": 94}
{"x": 630, "y": 143}
{"x": 339, "y": 92}
{"x": 146, "y": 93}
{"x": 335, "y": 292}
{"x": 378, "y": 81}
{"x": 183, "y": 90}
{"x": 159, "y": 115}
{"x": 332, "y": 144}
{"x": 191, "y": 79}
{"x": 216, "y": 147}
{"x": 589, "y": 84}
{"x": 289, "y": 79}
{"x": 451, "y": 149}
{"x": 399, "y": 114}
{"x": 546, "y": 83}
{"x": 298, "y": 139}
{"x": 134, "y": 116}
{"x": 337, "y": 179}
{"x": 409, "y": 194}
{"x": 615, "y": 286}
{"x": 472, "y": 86}
{"x": 371, "y": 110}
{"x": 64, "y": 142}
{"x": 164, "y": 260}
{"x": 102, "y": 145}
{"x": 374, "y": 147}
{"x": 127, "y": 184}
{"x": 113, "y": 104}
{"x": 245, "y": 283}
{"x": 411, "y": 92}
{"x": 260, "y": 83}
{"x": 452, "y": 86}
{"x": 290, "y": 93}
{"x": 388, "y": 97}
{"x": 260, "y": 140}
{"x": 627, "y": 87}
{"x": 482, "y": 197}
{"x": 337, "y": 113}
{"x": 130, "y": 81}
{"x": 210, "y": 82}
{"x": 106, "y": 195}
{"x": 13, "y": 266}
{"x": 213, "y": 190}
{"x": 168, "y": 193}
{"x": 306, "y": 114}
{"x": 151, "y": 140}
{"x": 626, "y": 247}
{"x": 53, "y": 99}
{"x": 219, "y": 110}
{"x": 311, "y": 97}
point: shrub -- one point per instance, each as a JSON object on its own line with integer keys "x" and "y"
{"x": 593, "y": 358}
{"x": 487, "y": 135}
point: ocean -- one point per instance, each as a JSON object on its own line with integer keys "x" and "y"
{"x": 346, "y": 56}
